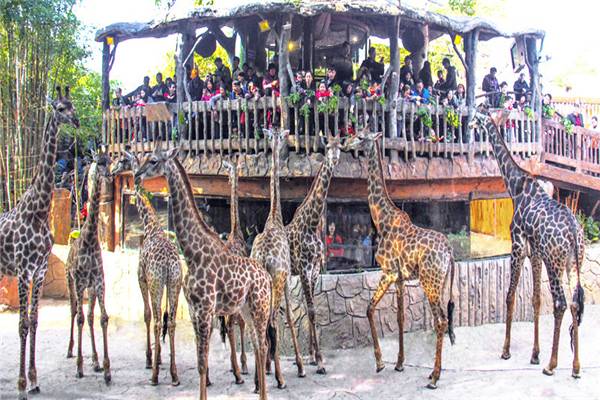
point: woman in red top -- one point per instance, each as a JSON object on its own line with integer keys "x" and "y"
{"x": 334, "y": 243}
{"x": 322, "y": 93}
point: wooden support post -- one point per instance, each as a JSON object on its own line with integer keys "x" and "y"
{"x": 105, "y": 75}
{"x": 307, "y": 45}
{"x": 420, "y": 56}
{"x": 536, "y": 92}
{"x": 393, "y": 93}
{"x": 284, "y": 59}
{"x": 471, "y": 41}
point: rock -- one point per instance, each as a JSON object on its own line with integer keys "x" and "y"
{"x": 349, "y": 285}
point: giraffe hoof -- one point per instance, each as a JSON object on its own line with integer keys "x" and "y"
{"x": 35, "y": 390}
{"x": 535, "y": 360}
{"x": 575, "y": 374}
{"x": 208, "y": 383}
{"x": 322, "y": 371}
{"x": 302, "y": 374}
{"x": 313, "y": 363}
{"x": 505, "y": 355}
{"x": 379, "y": 368}
{"x": 548, "y": 372}
{"x": 244, "y": 370}
{"x": 175, "y": 383}
{"x": 256, "y": 390}
{"x": 239, "y": 381}
{"x": 281, "y": 385}
{"x": 154, "y": 382}
{"x": 22, "y": 395}
{"x": 148, "y": 366}
{"x": 97, "y": 368}
{"x": 107, "y": 379}
{"x": 79, "y": 375}
{"x": 431, "y": 386}
{"x": 70, "y": 355}
{"x": 399, "y": 368}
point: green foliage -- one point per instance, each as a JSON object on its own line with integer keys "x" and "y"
{"x": 294, "y": 98}
{"x": 204, "y": 65}
{"x": 463, "y": 6}
{"x": 452, "y": 117}
{"x": 547, "y": 111}
{"x": 329, "y": 106}
{"x": 336, "y": 89}
{"x": 528, "y": 112}
{"x": 381, "y": 100}
{"x": 425, "y": 116}
{"x": 305, "y": 110}
{"x": 568, "y": 125}
{"x": 87, "y": 97}
{"x": 591, "y": 228}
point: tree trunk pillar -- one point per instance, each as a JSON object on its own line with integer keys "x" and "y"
{"x": 307, "y": 45}
{"x": 105, "y": 75}
{"x": 393, "y": 93}
{"x": 471, "y": 41}
{"x": 284, "y": 59}
{"x": 536, "y": 92}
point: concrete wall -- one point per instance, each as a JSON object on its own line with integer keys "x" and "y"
{"x": 341, "y": 300}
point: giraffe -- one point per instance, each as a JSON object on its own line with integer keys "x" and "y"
{"x": 159, "y": 268}
{"x": 25, "y": 239}
{"x": 271, "y": 249}
{"x": 217, "y": 282}
{"x": 236, "y": 244}
{"x": 84, "y": 270}
{"x": 306, "y": 242}
{"x": 405, "y": 252}
{"x": 549, "y": 234}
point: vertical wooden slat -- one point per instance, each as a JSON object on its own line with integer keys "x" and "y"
{"x": 412, "y": 130}
{"x": 317, "y": 127}
{"x": 306, "y": 132}
{"x": 229, "y": 126}
{"x": 255, "y": 125}
{"x": 404, "y": 141}
{"x": 220, "y": 112}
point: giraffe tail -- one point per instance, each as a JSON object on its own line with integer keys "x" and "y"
{"x": 165, "y": 326}
{"x": 578, "y": 293}
{"x": 223, "y": 328}
{"x": 451, "y": 334}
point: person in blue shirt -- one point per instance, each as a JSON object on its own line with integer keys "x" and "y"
{"x": 420, "y": 94}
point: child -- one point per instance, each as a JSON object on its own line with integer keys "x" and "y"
{"x": 322, "y": 93}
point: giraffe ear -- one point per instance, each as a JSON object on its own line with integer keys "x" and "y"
{"x": 172, "y": 153}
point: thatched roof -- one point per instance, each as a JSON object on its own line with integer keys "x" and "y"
{"x": 371, "y": 13}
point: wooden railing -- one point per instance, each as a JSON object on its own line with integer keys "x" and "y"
{"x": 229, "y": 126}
{"x": 589, "y": 107}
{"x": 578, "y": 150}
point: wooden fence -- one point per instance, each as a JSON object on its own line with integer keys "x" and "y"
{"x": 228, "y": 126}
{"x": 578, "y": 150}
{"x": 589, "y": 107}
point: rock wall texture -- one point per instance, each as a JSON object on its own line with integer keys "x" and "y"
{"x": 341, "y": 300}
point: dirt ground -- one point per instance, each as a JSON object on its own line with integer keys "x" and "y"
{"x": 473, "y": 368}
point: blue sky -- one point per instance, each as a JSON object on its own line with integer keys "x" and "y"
{"x": 572, "y": 41}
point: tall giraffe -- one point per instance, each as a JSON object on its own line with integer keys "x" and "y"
{"x": 25, "y": 239}
{"x": 271, "y": 249}
{"x": 405, "y": 252}
{"x": 548, "y": 233}
{"x": 84, "y": 270}
{"x": 306, "y": 242}
{"x": 217, "y": 282}
{"x": 159, "y": 268}
{"x": 236, "y": 244}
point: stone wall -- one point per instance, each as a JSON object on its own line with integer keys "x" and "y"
{"x": 341, "y": 300}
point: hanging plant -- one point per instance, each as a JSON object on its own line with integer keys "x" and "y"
{"x": 336, "y": 89}
{"x": 381, "y": 100}
{"x": 293, "y": 98}
{"x": 305, "y": 110}
{"x": 364, "y": 85}
{"x": 423, "y": 114}
{"x": 452, "y": 117}
{"x": 568, "y": 125}
{"x": 257, "y": 134}
{"x": 528, "y": 112}
{"x": 352, "y": 118}
{"x": 547, "y": 111}
{"x": 310, "y": 94}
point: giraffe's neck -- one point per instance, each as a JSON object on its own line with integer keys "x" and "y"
{"x": 190, "y": 227}
{"x": 380, "y": 203}
{"x": 236, "y": 229}
{"x": 147, "y": 213}
{"x": 43, "y": 184}
{"x": 89, "y": 231}
{"x": 514, "y": 176}
{"x": 275, "y": 211}
{"x": 311, "y": 210}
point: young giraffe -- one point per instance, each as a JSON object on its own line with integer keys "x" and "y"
{"x": 237, "y": 245}
{"x": 25, "y": 239}
{"x": 271, "y": 249}
{"x": 547, "y": 232}
{"x": 306, "y": 242}
{"x": 84, "y": 270}
{"x": 405, "y": 252}
{"x": 217, "y": 282}
{"x": 159, "y": 268}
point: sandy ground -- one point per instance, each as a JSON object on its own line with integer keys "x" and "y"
{"x": 473, "y": 368}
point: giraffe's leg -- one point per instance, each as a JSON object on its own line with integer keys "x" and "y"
{"x": 387, "y": 278}
{"x": 313, "y": 321}
{"x": 441, "y": 325}
{"x": 156, "y": 300}
{"x": 36, "y": 286}
{"x": 73, "y": 303}
{"x": 243, "y": 360}
{"x": 278, "y": 293}
{"x": 147, "y": 315}
{"x": 560, "y": 305}
{"x": 576, "y": 315}
{"x": 91, "y": 306}
{"x": 232, "y": 353}
{"x": 516, "y": 264}
{"x": 104, "y": 325}
{"x": 536, "y": 269}
{"x": 173, "y": 297}
{"x": 290, "y": 321}
{"x": 80, "y": 319}
{"x": 23, "y": 332}
{"x": 400, "y": 317}
{"x": 202, "y": 329}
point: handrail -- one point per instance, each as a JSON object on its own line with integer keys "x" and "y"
{"x": 578, "y": 150}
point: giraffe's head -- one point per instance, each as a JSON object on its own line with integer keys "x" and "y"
{"x": 126, "y": 163}
{"x": 278, "y": 138}
{"x": 333, "y": 146}
{"x": 231, "y": 165}
{"x": 154, "y": 164}
{"x": 99, "y": 170}
{"x": 363, "y": 140}
{"x": 483, "y": 115}
{"x": 64, "y": 111}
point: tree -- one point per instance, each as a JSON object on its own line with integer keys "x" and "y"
{"x": 466, "y": 7}
{"x": 204, "y": 65}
